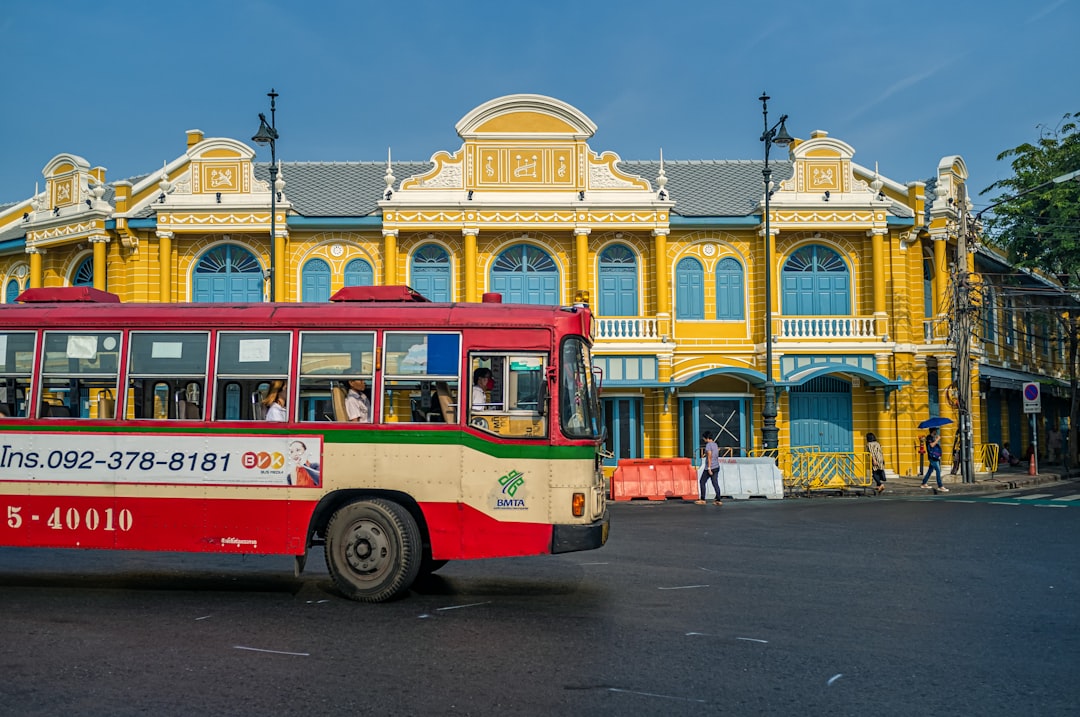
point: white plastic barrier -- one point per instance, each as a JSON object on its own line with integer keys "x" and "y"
{"x": 743, "y": 478}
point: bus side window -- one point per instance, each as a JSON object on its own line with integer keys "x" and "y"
{"x": 420, "y": 373}
{"x": 247, "y": 362}
{"x": 16, "y": 364}
{"x": 80, "y": 371}
{"x": 329, "y": 361}
{"x": 166, "y": 373}
{"x": 507, "y": 394}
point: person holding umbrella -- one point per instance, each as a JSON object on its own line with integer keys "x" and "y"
{"x": 933, "y": 453}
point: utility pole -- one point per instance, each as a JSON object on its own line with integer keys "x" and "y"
{"x": 962, "y": 337}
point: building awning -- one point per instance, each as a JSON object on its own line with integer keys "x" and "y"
{"x": 1012, "y": 379}
{"x": 873, "y": 378}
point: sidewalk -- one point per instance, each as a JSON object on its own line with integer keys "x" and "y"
{"x": 1004, "y": 479}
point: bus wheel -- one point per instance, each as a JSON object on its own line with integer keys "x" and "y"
{"x": 373, "y": 550}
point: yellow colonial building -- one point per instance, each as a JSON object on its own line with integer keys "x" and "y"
{"x": 670, "y": 254}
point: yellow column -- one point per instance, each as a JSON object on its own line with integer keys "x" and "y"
{"x": 164, "y": 266}
{"x": 99, "y": 246}
{"x": 35, "y": 267}
{"x": 667, "y": 414}
{"x": 581, "y": 257}
{"x": 472, "y": 291}
{"x": 661, "y": 270}
{"x": 281, "y": 268}
{"x": 877, "y": 243}
{"x": 390, "y": 257}
{"x": 877, "y": 249}
{"x": 941, "y": 279}
{"x": 774, "y": 307}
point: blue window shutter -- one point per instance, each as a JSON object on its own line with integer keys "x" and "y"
{"x": 315, "y": 284}
{"x": 729, "y": 289}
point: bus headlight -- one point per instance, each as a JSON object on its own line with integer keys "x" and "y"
{"x": 579, "y": 505}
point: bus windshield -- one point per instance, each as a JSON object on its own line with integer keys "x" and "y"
{"x": 579, "y": 405}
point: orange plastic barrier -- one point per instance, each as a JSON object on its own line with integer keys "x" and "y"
{"x": 655, "y": 479}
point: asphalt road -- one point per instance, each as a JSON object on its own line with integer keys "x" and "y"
{"x": 854, "y": 606}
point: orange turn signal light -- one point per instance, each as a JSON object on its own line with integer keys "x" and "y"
{"x": 579, "y": 505}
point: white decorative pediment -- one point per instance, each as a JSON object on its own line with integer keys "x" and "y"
{"x": 449, "y": 176}
{"x": 601, "y": 177}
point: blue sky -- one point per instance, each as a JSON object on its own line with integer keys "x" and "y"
{"x": 905, "y": 84}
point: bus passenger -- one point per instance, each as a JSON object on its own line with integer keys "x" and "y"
{"x": 482, "y": 383}
{"x": 275, "y": 402}
{"x": 357, "y": 404}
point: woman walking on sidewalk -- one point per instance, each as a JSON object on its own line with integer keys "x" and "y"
{"x": 877, "y": 462}
{"x": 933, "y": 453}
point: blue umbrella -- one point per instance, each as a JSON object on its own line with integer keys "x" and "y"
{"x": 936, "y": 422}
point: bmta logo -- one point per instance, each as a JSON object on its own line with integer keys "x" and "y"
{"x": 510, "y": 484}
{"x": 263, "y": 460}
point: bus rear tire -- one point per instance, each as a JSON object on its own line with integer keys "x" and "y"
{"x": 373, "y": 550}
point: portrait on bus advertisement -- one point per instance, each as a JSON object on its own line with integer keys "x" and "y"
{"x": 162, "y": 459}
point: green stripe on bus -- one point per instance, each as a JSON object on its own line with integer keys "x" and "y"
{"x": 352, "y": 435}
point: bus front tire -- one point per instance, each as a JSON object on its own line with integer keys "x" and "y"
{"x": 373, "y": 550}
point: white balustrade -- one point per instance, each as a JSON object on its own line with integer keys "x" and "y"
{"x": 827, "y": 327}
{"x": 626, "y": 328}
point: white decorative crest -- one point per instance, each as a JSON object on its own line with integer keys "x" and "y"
{"x": 601, "y": 177}
{"x": 449, "y": 177}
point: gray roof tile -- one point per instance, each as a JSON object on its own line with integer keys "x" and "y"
{"x": 712, "y": 188}
{"x": 338, "y": 189}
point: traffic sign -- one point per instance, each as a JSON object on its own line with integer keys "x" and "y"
{"x": 1032, "y": 398}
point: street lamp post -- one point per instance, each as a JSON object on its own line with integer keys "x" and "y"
{"x": 267, "y": 134}
{"x": 778, "y": 135}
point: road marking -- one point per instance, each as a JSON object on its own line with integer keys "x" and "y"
{"x": 457, "y": 607}
{"x": 834, "y": 678}
{"x": 753, "y": 639}
{"x": 653, "y": 694}
{"x": 684, "y": 587}
{"x": 275, "y": 652}
{"x": 1075, "y": 496}
{"x": 1050, "y": 505}
{"x": 1035, "y": 496}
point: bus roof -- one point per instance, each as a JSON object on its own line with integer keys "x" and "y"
{"x": 400, "y": 315}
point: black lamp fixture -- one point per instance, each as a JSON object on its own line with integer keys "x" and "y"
{"x": 778, "y": 135}
{"x": 268, "y": 134}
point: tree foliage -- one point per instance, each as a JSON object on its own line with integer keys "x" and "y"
{"x": 1038, "y": 220}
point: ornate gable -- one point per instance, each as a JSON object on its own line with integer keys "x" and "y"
{"x": 528, "y": 153}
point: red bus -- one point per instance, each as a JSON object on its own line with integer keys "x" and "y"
{"x": 396, "y": 433}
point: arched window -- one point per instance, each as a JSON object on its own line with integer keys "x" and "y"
{"x": 84, "y": 274}
{"x": 359, "y": 273}
{"x": 12, "y": 291}
{"x": 729, "y": 289}
{"x": 430, "y": 273}
{"x": 227, "y": 273}
{"x": 689, "y": 290}
{"x": 618, "y": 282}
{"x": 524, "y": 274}
{"x": 316, "y": 281}
{"x": 815, "y": 281}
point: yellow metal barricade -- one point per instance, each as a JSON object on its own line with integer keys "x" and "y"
{"x": 815, "y": 470}
{"x": 986, "y": 457}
